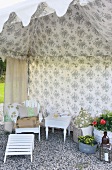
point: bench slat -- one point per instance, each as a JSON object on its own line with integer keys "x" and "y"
{"x": 19, "y": 143}
{"x": 17, "y": 146}
{"x": 18, "y": 149}
{"x": 19, "y": 153}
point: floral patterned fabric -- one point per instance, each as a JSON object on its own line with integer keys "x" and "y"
{"x": 71, "y": 83}
{"x": 70, "y": 63}
{"x": 82, "y": 31}
{"x": 11, "y": 112}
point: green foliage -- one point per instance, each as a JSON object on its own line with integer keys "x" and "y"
{"x": 83, "y": 119}
{"x": 107, "y": 116}
{"x": 2, "y": 71}
{"x": 2, "y": 67}
{"x": 88, "y": 139}
{"x": 2, "y": 79}
{"x": 1, "y": 92}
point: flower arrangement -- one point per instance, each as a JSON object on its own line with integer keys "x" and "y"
{"x": 83, "y": 119}
{"x": 104, "y": 121}
{"x": 88, "y": 139}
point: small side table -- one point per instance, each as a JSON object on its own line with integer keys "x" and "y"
{"x": 62, "y": 122}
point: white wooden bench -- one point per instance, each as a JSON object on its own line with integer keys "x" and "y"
{"x": 19, "y": 144}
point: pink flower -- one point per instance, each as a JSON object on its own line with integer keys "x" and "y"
{"x": 102, "y": 122}
{"x": 94, "y": 123}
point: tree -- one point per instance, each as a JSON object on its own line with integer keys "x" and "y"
{"x": 2, "y": 67}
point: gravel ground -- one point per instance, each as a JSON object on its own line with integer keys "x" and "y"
{"x": 51, "y": 154}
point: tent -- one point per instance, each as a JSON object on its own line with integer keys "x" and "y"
{"x": 58, "y": 52}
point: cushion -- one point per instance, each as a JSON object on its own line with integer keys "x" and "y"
{"x": 27, "y": 122}
{"x": 23, "y": 111}
{"x": 8, "y": 127}
{"x": 7, "y": 118}
{"x": 32, "y": 111}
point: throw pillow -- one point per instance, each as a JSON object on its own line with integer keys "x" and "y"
{"x": 32, "y": 111}
{"x": 23, "y": 111}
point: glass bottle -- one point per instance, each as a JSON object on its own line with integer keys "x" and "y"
{"x": 105, "y": 139}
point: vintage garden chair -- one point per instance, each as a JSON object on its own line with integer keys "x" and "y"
{"x": 26, "y": 116}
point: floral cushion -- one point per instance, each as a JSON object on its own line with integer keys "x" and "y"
{"x": 11, "y": 112}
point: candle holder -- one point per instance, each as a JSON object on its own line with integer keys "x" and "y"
{"x": 105, "y": 152}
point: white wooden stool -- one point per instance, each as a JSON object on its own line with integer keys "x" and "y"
{"x": 19, "y": 144}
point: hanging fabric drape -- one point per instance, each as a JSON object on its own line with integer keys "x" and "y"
{"x": 16, "y": 81}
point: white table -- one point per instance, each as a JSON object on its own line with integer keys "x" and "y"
{"x": 62, "y": 122}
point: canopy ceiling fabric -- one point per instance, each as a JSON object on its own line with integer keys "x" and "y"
{"x": 75, "y": 29}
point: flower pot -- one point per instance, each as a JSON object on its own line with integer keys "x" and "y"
{"x": 98, "y": 134}
{"x": 87, "y": 148}
{"x": 87, "y": 130}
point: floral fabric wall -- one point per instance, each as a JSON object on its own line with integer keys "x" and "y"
{"x": 14, "y": 41}
{"x": 70, "y": 64}
{"x": 82, "y": 31}
{"x": 67, "y": 72}
{"x": 66, "y": 83}
{"x": 70, "y": 35}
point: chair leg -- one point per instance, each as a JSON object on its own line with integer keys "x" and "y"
{"x": 39, "y": 136}
{"x": 5, "y": 158}
{"x": 46, "y": 132}
{"x": 64, "y": 135}
{"x": 33, "y": 146}
{"x": 31, "y": 157}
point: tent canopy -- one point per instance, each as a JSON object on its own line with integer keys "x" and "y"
{"x": 55, "y": 28}
{"x": 68, "y": 44}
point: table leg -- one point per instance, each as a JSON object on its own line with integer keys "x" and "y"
{"x": 46, "y": 132}
{"x": 52, "y": 130}
{"x": 69, "y": 130}
{"x": 39, "y": 134}
{"x": 64, "y": 135}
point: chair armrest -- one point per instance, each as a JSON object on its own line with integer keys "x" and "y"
{"x": 40, "y": 117}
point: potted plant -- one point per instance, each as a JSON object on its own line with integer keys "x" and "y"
{"x": 82, "y": 124}
{"x": 103, "y": 123}
{"x": 87, "y": 144}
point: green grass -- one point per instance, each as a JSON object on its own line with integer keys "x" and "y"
{"x": 1, "y": 92}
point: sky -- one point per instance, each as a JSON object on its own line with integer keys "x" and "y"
{"x": 7, "y": 3}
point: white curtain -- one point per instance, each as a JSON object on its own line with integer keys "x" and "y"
{"x": 16, "y": 81}
{"x": 15, "y": 88}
